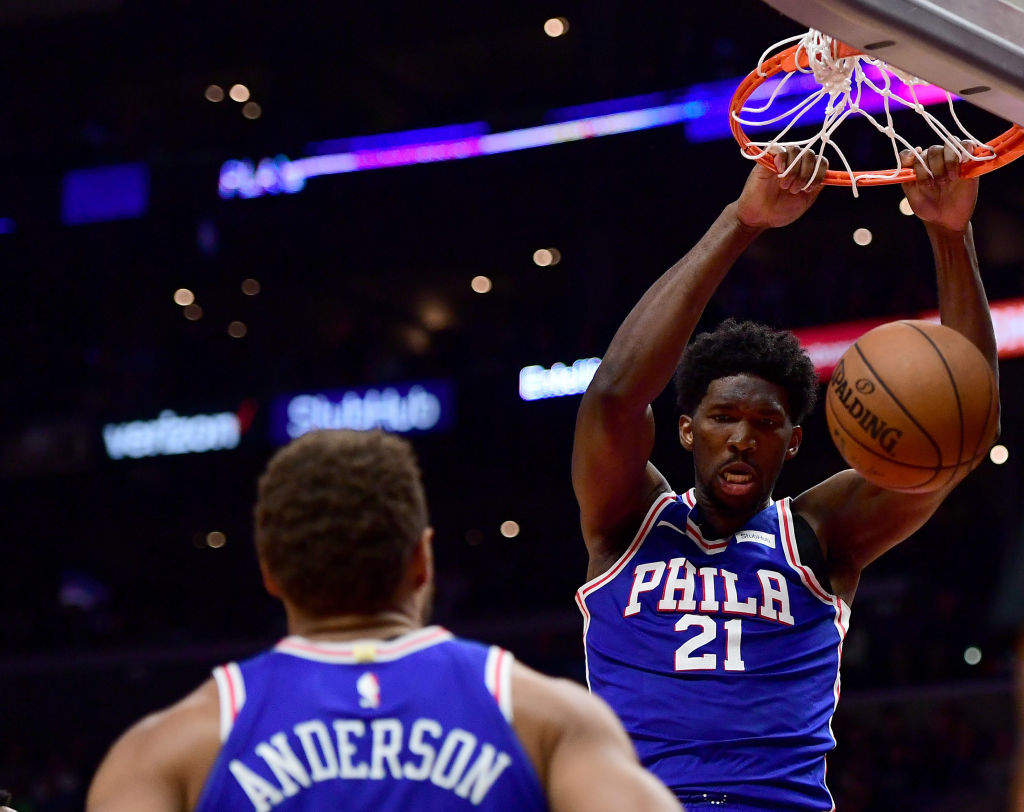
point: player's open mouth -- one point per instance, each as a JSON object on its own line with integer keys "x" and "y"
{"x": 738, "y": 480}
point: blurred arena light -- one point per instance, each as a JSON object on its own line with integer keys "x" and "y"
{"x": 435, "y": 314}
{"x": 905, "y": 207}
{"x": 193, "y": 312}
{"x": 999, "y": 454}
{"x": 239, "y": 93}
{"x": 252, "y": 111}
{"x": 862, "y": 236}
{"x": 237, "y": 329}
{"x": 214, "y": 93}
{"x": 415, "y": 338}
{"x": 216, "y": 539}
{"x": 547, "y": 256}
{"x": 556, "y": 26}
{"x": 481, "y": 284}
{"x": 207, "y": 237}
{"x": 972, "y": 655}
{"x": 184, "y": 297}
{"x": 105, "y": 193}
{"x": 250, "y": 287}
{"x": 509, "y": 529}
{"x": 82, "y": 591}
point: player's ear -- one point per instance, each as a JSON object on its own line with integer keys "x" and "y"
{"x": 795, "y": 439}
{"x": 686, "y": 431}
{"x": 422, "y": 563}
{"x": 269, "y": 582}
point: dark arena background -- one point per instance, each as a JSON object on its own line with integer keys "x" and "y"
{"x": 174, "y": 303}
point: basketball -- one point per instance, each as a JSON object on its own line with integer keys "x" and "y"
{"x": 912, "y": 405}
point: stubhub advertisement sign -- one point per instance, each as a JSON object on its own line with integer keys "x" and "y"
{"x": 403, "y": 408}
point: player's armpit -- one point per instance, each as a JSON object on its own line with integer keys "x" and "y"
{"x": 582, "y": 754}
{"x": 161, "y": 762}
{"x": 613, "y": 480}
{"x": 856, "y": 522}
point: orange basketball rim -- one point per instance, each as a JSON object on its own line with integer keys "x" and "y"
{"x": 1000, "y": 151}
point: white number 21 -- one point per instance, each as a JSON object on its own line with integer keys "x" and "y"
{"x": 686, "y": 660}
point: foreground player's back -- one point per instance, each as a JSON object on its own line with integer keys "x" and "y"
{"x": 418, "y": 721}
{"x": 362, "y": 707}
{"x": 422, "y": 721}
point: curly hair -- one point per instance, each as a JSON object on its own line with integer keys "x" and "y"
{"x": 737, "y": 347}
{"x": 337, "y": 517}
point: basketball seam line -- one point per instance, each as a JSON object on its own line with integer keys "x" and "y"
{"x": 935, "y": 470}
{"x": 896, "y": 400}
{"x": 952, "y": 381}
{"x": 990, "y": 413}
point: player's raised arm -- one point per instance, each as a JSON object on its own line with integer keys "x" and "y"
{"x": 856, "y": 521}
{"x": 581, "y": 752}
{"x": 613, "y": 480}
{"x": 945, "y": 203}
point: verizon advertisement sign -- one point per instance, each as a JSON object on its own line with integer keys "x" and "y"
{"x": 170, "y": 434}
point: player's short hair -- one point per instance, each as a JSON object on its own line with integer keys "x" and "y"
{"x": 737, "y": 347}
{"x": 338, "y": 515}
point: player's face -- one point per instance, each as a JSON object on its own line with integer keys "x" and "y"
{"x": 740, "y": 436}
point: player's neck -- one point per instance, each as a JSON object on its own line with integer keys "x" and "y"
{"x": 719, "y": 522}
{"x": 375, "y": 626}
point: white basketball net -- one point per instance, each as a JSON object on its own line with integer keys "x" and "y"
{"x": 842, "y": 81}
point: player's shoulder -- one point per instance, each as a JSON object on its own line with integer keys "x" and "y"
{"x": 557, "y": 704}
{"x": 175, "y": 735}
{"x": 168, "y": 752}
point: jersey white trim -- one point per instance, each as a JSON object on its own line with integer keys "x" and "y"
{"x": 597, "y": 582}
{"x": 645, "y": 527}
{"x": 842, "y": 609}
{"x": 231, "y": 695}
{"x": 498, "y": 678}
{"x": 709, "y": 546}
{"x": 363, "y": 651}
{"x": 807, "y": 577}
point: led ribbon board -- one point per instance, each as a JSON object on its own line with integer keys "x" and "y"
{"x": 405, "y": 408}
{"x": 704, "y": 109}
{"x": 825, "y": 344}
{"x": 537, "y": 382}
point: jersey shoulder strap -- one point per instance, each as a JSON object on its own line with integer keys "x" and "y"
{"x": 809, "y": 549}
{"x": 498, "y": 679}
{"x": 231, "y": 693}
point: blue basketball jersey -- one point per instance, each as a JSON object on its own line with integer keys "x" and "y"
{"x": 419, "y": 722}
{"x": 721, "y": 657}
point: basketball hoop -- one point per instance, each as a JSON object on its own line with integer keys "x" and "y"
{"x": 841, "y": 74}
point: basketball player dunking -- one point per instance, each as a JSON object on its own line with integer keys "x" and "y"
{"x": 362, "y": 707}
{"x": 714, "y": 619}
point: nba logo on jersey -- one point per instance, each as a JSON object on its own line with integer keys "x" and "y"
{"x": 369, "y": 690}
